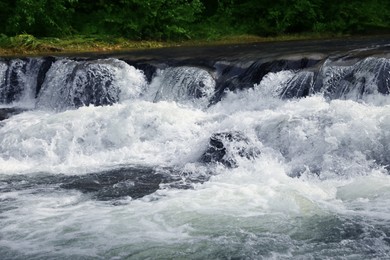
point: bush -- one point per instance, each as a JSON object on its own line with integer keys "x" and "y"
{"x": 40, "y": 17}
{"x": 144, "y": 19}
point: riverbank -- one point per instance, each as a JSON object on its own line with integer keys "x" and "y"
{"x": 28, "y": 45}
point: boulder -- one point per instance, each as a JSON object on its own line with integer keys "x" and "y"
{"x": 224, "y": 147}
{"x": 133, "y": 182}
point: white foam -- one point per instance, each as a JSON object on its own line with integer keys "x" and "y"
{"x": 136, "y": 132}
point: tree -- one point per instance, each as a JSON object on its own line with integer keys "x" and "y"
{"x": 144, "y": 19}
{"x": 40, "y": 17}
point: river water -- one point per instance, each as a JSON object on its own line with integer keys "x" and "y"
{"x": 121, "y": 173}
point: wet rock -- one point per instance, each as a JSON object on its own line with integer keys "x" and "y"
{"x": 240, "y": 76}
{"x": 44, "y": 68}
{"x": 6, "y": 113}
{"x": 21, "y": 79}
{"x": 299, "y": 86}
{"x": 225, "y": 146}
{"x": 148, "y": 69}
{"x": 13, "y": 80}
{"x": 133, "y": 182}
{"x": 339, "y": 79}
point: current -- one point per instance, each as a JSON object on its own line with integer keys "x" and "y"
{"x": 243, "y": 159}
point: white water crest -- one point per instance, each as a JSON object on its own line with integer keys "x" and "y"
{"x": 318, "y": 188}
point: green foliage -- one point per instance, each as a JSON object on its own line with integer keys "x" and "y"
{"x": 40, "y": 17}
{"x": 4, "y": 40}
{"x": 356, "y": 16}
{"x": 24, "y": 40}
{"x": 185, "y": 19}
{"x": 296, "y": 16}
{"x": 144, "y": 19}
{"x": 5, "y": 10}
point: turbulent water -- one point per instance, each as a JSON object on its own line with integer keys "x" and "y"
{"x": 98, "y": 161}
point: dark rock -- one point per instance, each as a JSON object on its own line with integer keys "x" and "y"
{"x": 93, "y": 85}
{"x": 12, "y": 86}
{"x": 224, "y": 146}
{"x": 133, "y": 182}
{"x": 6, "y": 113}
{"x": 238, "y": 76}
{"x": 148, "y": 69}
{"x": 44, "y": 68}
{"x": 22, "y": 78}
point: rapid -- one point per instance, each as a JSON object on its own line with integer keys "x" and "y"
{"x": 98, "y": 160}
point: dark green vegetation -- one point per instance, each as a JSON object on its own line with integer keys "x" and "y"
{"x": 183, "y": 19}
{"x": 110, "y": 23}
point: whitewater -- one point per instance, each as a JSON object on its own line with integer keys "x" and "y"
{"x": 101, "y": 161}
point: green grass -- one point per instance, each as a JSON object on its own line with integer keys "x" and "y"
{"x": 28, "y": 45}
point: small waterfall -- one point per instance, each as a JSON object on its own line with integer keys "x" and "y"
{"x": 334, "y": 80}
{"x": 58, "y": 84}
{"x": 286, "y": 84}
{"x": 183, "y": 84}
{"x": 274, "y": 84}
{"x": 244, "y": 75}
{"x": 18, "y": 83}
{"x": 3, "y": 80}
{"x": 299, "y": 85}
{"x": 365, "y": 77}
{"x": 72, "y": 84}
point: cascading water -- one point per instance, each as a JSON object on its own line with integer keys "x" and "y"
{"x": 184, "y": 84}
{"x": 369, "y": 76}
{"x": 254, "y": 159}
{"x": 74, "y": 84}
{"x": 19, "y": 81}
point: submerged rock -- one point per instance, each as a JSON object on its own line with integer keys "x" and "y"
{"x": 225, "y": 146}
{"x": 133, "y": 182}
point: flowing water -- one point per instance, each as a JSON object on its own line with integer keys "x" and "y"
{"x": 99, "y": 161}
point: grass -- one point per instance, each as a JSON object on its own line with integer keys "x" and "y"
{"x": 28, "y": 45}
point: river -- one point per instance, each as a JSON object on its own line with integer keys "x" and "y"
{"x": 260, "y": 151}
